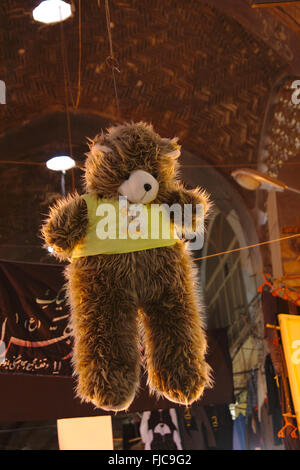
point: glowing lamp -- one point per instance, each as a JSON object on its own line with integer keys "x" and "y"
{"x": 247, "y": 181}
{"x": 252, "y": 179}
{"x": 52, "y": 11}
{"x": 62, "y": 163}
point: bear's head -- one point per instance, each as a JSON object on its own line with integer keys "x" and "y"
{"x": 131, "y": 160}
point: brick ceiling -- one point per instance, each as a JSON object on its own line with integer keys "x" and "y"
{"x": 189, "y": 68}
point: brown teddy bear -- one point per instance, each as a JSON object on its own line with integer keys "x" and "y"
{"x": 119, "y": 288}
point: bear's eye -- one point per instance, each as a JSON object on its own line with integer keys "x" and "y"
{"x": 155, "y": 175}
{"x": 127, "y": 176}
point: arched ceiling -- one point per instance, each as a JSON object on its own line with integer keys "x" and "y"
{"x": 200, "y": 70}
{"x": 181, "y": 65}
{"x": 194, "y": 69}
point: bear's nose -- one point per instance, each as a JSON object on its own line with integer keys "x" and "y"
{"x": 147, "y": 187}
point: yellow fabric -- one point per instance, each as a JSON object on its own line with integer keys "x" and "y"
{"x": 290, "y": 335}
{"x": 101, "y": 212}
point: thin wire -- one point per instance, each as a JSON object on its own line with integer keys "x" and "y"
{"x": 27, "y": 429}
{"x": 247, "y": 247}
{"x": 32, "y": 263}
{"x": 222, "y": 252}
{"x": 241, "y": 372}
{"x": 63, "y": 51}
{"x": 19, "y": 246}
{"x": 233, "y": 165}
{"x": 206, "y": 165}
{"x": 69, "y": 84}
{"x": 68, "y": 80}
{"x": 67, "y": 88}
{"x": 111, "y": 60}
{"x": 80, "y": 54}
{"x": 12, "y": 162}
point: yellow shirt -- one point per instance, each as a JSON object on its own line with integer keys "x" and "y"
{"x": 116, "y": 226}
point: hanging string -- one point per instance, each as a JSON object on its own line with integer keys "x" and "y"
{"x": 231, "y": 165}
{"x": 247, "y": 247}
{"x": 12, "y": 162}
{"x": 111, "y": 60}
{"x": 205, "y": 165}
{"x": 63, "y": 52}
{"x": 80, "y": 53}
{"x": 65, "y": 62}
{"x": 13, "y": 430}
{"x": 235, "y": 250}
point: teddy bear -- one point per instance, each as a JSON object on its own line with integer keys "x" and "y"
{"x": 127, "y": 292}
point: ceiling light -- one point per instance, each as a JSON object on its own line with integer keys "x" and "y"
{"x": 61, "y": 163}
{"x": 52, "y": 11}
{"x": 252, "y": 179}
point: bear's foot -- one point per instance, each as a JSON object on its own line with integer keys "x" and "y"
{"x": 182, "y": 384}
{"x": 113, "y": 391}
{"x": 113, "y": 404}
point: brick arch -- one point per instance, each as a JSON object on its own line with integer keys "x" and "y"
{"x": 190, "y": 69}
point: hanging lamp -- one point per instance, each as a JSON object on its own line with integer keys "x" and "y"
{"x": 252, "y": 179}
{"x": 52, "y": 11}
{"x": 61, "y": 163}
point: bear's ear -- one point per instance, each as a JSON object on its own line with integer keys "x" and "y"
{"x": 176, "y": 152}
{"x": 173, "y": 143}
{"x": 102, "y": 148}
{"x": 96, "y": 148}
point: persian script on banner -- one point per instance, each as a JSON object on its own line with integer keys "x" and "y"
{"x": 34, "y": 333}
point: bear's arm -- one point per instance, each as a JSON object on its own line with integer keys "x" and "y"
{"x": 66, "y": 225}
{"x": 192, "y": 198}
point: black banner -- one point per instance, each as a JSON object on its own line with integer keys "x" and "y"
{"x": 36, "y": 350}
{"x": 34, "y": 332}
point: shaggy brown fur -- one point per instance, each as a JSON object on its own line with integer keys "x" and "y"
{"x": 66, "y": 225}
{"x": 112, "y": 295}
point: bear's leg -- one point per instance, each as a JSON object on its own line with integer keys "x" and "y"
{"x": 175, "y": 341}
{"x": 106, "y": 357}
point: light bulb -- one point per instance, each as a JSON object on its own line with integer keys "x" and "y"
{"x": 52, "y": 11}
{"x": 61, "y": 163}
{"x": 253, "y": 179}
{"x": 247, "y": 182}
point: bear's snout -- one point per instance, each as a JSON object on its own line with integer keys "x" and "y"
{"x": 140, "y": 187}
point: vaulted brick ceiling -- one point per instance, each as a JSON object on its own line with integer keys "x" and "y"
{"x": 182, "y": 65}
{"x": 187, "y": 67}
{"x": 191, "y": 68}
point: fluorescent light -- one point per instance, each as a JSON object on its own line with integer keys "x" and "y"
{"x": 61, "y": 163}
{"x": 52, "y": 11}
{"x": 246, "y": 181}
{"x": 252, "y": 179}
